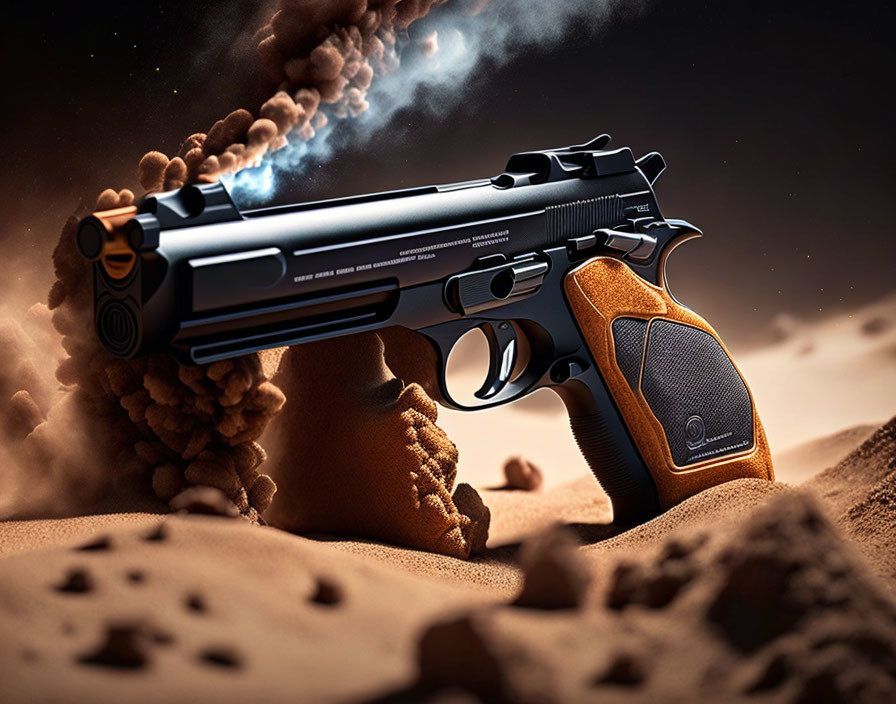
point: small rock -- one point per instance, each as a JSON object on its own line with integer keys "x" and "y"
{"x": 102, "y": 542}
{"x": 655, "y": 584}
{"x": 664, "y": 586}
{"x": 77, "y": 581}
{"x": 554, "y": 575}
{"x": 327, "y": 593}
{"x": 157, "y": 534}
{"x": 521, "y": 474}
{"x": 204, "y": 500}
{"x": 624, "y": 670}
{"x": 220, "y": 656}
{"x": 475, "y": 654}
{"x": 161, "y": 637}
{"x": 875, "y": 326}
{"x": 124, "y": 647}
{"x": 679, "y": 548}
{"x": 196, "y": 602}
{"x": 626, "y": 578}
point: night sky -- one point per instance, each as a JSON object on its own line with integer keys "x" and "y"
{"x": 776, "y": 121}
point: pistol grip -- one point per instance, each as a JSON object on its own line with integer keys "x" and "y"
{"x": 685, "y": 404}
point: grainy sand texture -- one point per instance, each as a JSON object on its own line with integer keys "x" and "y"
{"x": 749, "y": 591}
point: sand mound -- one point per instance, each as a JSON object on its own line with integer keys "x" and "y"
{"x": 872, "y": 524}
{"x": 861, "y": 491}
{"x": 723, "y": 507}
{"x": 803, "y": 461}
{"x": 785, "y": 610}
{"x": 849, "y": 481}
{"x": 746, "y": 592}
{"x": 206, "y": 609}
{"x": 520, "y": 473}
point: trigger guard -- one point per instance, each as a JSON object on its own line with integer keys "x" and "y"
{"x": 503, "y": 351}
{"x": 512, "y": 386}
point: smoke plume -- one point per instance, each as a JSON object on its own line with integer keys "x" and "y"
{"x": 360, "y": 60}
{"x": 429, "y": 64}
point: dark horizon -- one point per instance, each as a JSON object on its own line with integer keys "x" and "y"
{"x": 773, "y": 120}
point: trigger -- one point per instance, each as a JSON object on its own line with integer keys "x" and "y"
{"x": 503, "y": 350}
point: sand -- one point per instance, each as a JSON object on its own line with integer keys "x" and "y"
{"x": 800, "y": 462}
{"x": 749, "y": 591}
{"x": 214, "y": 609}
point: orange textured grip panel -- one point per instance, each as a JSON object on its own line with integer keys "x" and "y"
{"x": 604, "y": 289}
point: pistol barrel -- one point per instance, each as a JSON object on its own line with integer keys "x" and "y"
{"x": 187, "y": 271}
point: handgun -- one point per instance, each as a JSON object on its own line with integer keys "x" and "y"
{"x": 559, "y": 262}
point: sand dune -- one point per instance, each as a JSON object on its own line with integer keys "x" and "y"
{"x": 746, "y": 589}
{"x": 861, "y": 492}
{"x": 215, "y": 610}
{"x": 825, "y": 376}
{"x": 803, "y": 461}
{"x": 780, "y": 609}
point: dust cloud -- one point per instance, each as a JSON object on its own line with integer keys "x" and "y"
{"x": 88, "y": 434}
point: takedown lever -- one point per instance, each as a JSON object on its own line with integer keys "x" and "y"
{"x": 481, "y": 289}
